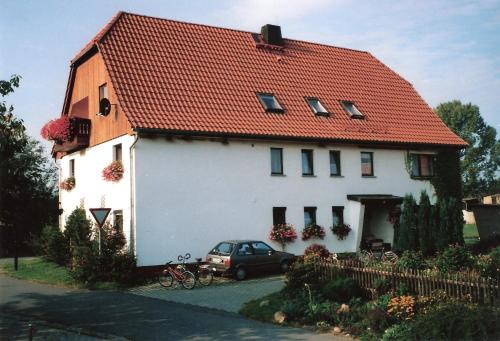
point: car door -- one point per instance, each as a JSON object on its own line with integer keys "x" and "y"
{"x": 245, "y": 255}
{"x": 265, "y": 256}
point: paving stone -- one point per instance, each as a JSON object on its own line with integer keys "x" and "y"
{"x": 229, "y": 296}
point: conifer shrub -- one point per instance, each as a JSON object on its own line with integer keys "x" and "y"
{"x": 54, "y": 245}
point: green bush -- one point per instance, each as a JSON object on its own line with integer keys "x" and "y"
{"x": 342, "y": 289}
{"x": 383, "y": 301}
{"x": 299, "y": 274}
{"x": 318, "y": 311}
{"x": 411, "y": 260}
{"x": 382, "y": 285}
{"x": 78, "y": 229}
{"x": 85, "y": 264}
{"x": 402, "y": 290}
{"x": 54, "y": 245}
{"x": 123, "y": 268}
{"x": 454, "y": 258}
{"x": 397, "y": 332}
{"x": 451, "y": 321}
{"x": 377, "y": 320}
{"x": 295, "y": 309}
{"x": 495, "y": 258}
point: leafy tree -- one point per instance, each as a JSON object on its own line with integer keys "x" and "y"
{"x": 480, "y": 162}
{"x": 27, "y": 193}
{"x": 425, "y": 225}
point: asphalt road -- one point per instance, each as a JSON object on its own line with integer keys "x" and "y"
{"x": 136, "y": 317}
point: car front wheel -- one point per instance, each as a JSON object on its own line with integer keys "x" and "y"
{"x": 240, "y": 273}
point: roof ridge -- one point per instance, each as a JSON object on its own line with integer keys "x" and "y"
{"x": 241, "y": 31}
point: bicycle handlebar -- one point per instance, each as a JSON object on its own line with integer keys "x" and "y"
{"x": 181, "y": 258}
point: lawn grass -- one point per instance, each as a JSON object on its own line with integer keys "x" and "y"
{"x": 265, "y": 313}
{"x": 42, "y": 271}
{"x": 471, "y": 235}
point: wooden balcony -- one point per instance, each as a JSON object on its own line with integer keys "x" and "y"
{"x": 80, "y": 128}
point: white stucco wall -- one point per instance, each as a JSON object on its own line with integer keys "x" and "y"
{"x": 91, "y": 189}
{"x": 192, "y": 194}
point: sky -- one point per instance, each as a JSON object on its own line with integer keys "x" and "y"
{"x": 448, "y": 49}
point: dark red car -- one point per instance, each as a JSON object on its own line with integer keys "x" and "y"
{"x": 243, "y": 257}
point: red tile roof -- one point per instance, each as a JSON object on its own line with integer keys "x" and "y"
{"x": 182, "y": 77}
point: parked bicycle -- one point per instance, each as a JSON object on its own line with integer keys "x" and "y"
{"x": 367, "y": 256}
{"x": 179, "y": 273}
{"x": 203, "y": 273}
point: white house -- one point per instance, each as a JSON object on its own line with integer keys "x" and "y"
{"x": 223, "y": 133}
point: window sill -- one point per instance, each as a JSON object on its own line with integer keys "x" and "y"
{"x": 278, "y": 174}
{"x": 308, "y": 175}
{"x": 369, "y": 176}
{"x": 421, "y": 177}
{"x": 336, "y": 176}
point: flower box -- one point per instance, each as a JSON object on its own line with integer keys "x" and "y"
{"x": 68, "y": 184}
{"x": 113, "y": 172}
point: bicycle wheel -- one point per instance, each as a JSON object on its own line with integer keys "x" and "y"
{"x": 188, "y": 280}
{"x": 165, "y": 279}
{"x": 205, "y": 277}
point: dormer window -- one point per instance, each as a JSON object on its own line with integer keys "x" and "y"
{"x": 351, "y": 109}
{"x": 270, "y": 103}
{"x": 317, "y": 107}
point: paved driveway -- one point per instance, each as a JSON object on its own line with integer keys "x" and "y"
{"x": 229, "y": 296}
{"x": 136, "y": 317}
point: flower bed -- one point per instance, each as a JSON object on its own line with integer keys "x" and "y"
{"x": 313, "y": 231}
{"x": 113, "y": 172}
{"x": 58, "y": 130}
{"x": 315, "y": 251}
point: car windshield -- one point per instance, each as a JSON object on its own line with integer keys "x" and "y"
{"x": 223, "y": 248}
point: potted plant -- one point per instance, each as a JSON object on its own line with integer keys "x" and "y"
{"x": 113, "y": 172}
{"x": 283, "y": 234}
{"x": 68, "y": 184}
{"x": 341, "y": 231}
{"x": 58, "y": 130}
{"x": 313, "y": 231}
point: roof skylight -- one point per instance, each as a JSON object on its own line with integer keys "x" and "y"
{"x": 316, "y": 106}
{"x": 351, "y": 109}
{"x": 270, "y": 103}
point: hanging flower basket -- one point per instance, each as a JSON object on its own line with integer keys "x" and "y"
{"x": 58, "y": 130}
{"x": 313, "y": 231}
{"x": 316, "y": 251}
{"x": 341, "y": 231}
{"x": 283, "y": 234}
{"x": 113, "y": 172}
{"x": 68, "y": 184}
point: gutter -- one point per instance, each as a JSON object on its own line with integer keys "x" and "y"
{"x": 261, "y": 137}
{"x": 132, "y": 195}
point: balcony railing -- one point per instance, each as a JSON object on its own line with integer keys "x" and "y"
{"x": 80, "y": 130}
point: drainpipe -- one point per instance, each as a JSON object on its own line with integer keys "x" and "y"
{"x": 132, "y": 195}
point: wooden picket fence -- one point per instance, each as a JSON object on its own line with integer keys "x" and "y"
{"x": 464, "y": 285}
